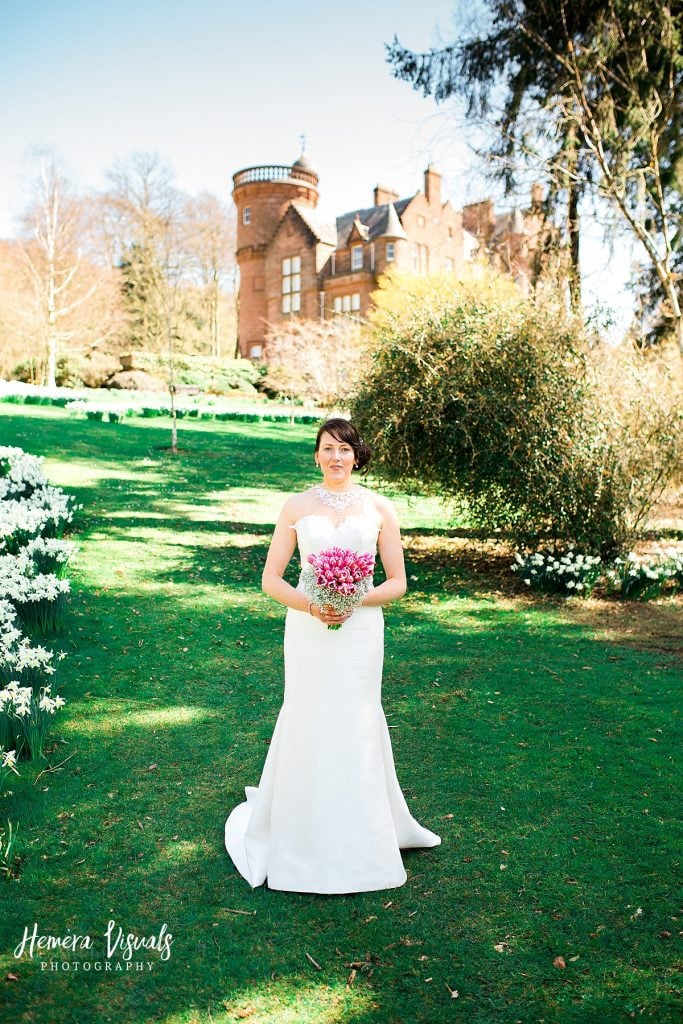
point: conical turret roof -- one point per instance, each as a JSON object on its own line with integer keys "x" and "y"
{"x": 393, "y": 227}
{"x": 304, "y": 164}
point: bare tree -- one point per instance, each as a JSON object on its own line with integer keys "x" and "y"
{"x": 211, "y": 242}
{"x": 52, "y": 257}
{"x": 140, "y": 215}
{"x": 142, "y": 223}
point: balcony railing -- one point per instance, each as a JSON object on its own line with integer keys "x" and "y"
{"x": 273, "y": 172}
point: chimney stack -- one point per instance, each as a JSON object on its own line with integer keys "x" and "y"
{"x": 384, "y": 195}
{"x": 433, "y": 186}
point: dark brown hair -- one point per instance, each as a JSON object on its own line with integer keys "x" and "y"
{"x": 343, "y": 430}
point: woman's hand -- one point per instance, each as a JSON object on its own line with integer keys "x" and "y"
{"x": 328, "y": 615}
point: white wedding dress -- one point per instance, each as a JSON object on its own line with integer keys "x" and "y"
{"x": 328, "y": 815}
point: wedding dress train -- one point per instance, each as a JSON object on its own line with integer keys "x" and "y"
{"x": 328, "y": 815}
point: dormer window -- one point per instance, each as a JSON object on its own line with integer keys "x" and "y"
{"x": 357, "y": 257}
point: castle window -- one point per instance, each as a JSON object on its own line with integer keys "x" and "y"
{"x": 357, "y": 257}
{"x": 347, "y": 303}
{"x": 450, "y": 232}
{"x": 420, "y": 259}
{"x": 448, "y": 264}
{"x": 291, "y": 284}
{"x": 246, "y": 215}
{"x": 255, "y": 351}
{"x": 420, "y": 221}
{"x": 391, "y": 251}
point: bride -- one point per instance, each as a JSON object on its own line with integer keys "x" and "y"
{"x": 328, "y": 815}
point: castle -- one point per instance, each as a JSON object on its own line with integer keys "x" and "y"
{"x": 293, "y": 263}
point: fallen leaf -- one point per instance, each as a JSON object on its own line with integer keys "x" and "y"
{"x": 559, "y": 962}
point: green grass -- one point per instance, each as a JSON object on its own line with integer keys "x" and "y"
{"x": 543, "y": 756}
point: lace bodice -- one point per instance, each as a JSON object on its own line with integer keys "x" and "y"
{"x": 317, "y": 531}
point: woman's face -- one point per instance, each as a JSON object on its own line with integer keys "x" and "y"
{"x": 336, "y": 459}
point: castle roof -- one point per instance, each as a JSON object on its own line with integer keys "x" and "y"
{"x": 374, "y": 219}
{"x": 392, "y": 226}
{"x": 304, "y": 164}
{"x": 323, "y": 230}
{"x": 511, "y": 223}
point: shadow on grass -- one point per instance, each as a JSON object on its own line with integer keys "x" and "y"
{"x": 540, "y": 755}
{"x": 525, "y": 763}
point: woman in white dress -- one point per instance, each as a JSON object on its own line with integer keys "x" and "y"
{"x": 328, "y": 815}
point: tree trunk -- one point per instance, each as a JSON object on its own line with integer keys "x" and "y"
{"x": 51, "y": 367}
{"x": 171, "y": 381}
{"x": 174, "y": 422}
{"x": 573, "y": 231}
{"x": 215, "y": 341}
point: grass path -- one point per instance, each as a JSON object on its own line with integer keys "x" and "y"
{"x": 542, "y": 754}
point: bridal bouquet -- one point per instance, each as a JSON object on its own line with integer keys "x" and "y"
{"x": 338, "y": 576}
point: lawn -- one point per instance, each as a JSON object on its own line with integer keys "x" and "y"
{"x": 541, "y": 748}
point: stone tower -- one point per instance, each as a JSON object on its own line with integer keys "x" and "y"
{"x": 262, "y": 195}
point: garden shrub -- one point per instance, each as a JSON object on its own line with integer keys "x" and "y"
{"x": 68, "y": 372}
{"x": 209, "y": 374}
{"x": 493, "y": 401}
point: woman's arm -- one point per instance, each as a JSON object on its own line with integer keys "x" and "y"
{"x": 391, "y": 553}
{"x": 279, "y": 554}
{"x": 282, "y": 545}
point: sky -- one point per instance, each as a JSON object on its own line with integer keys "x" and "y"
{"x": 217, "y": 85}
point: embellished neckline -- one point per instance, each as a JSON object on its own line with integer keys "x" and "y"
{"x": 339, "y": 500}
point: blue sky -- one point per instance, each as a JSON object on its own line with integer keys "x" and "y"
{"x": 215, "y": 86}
